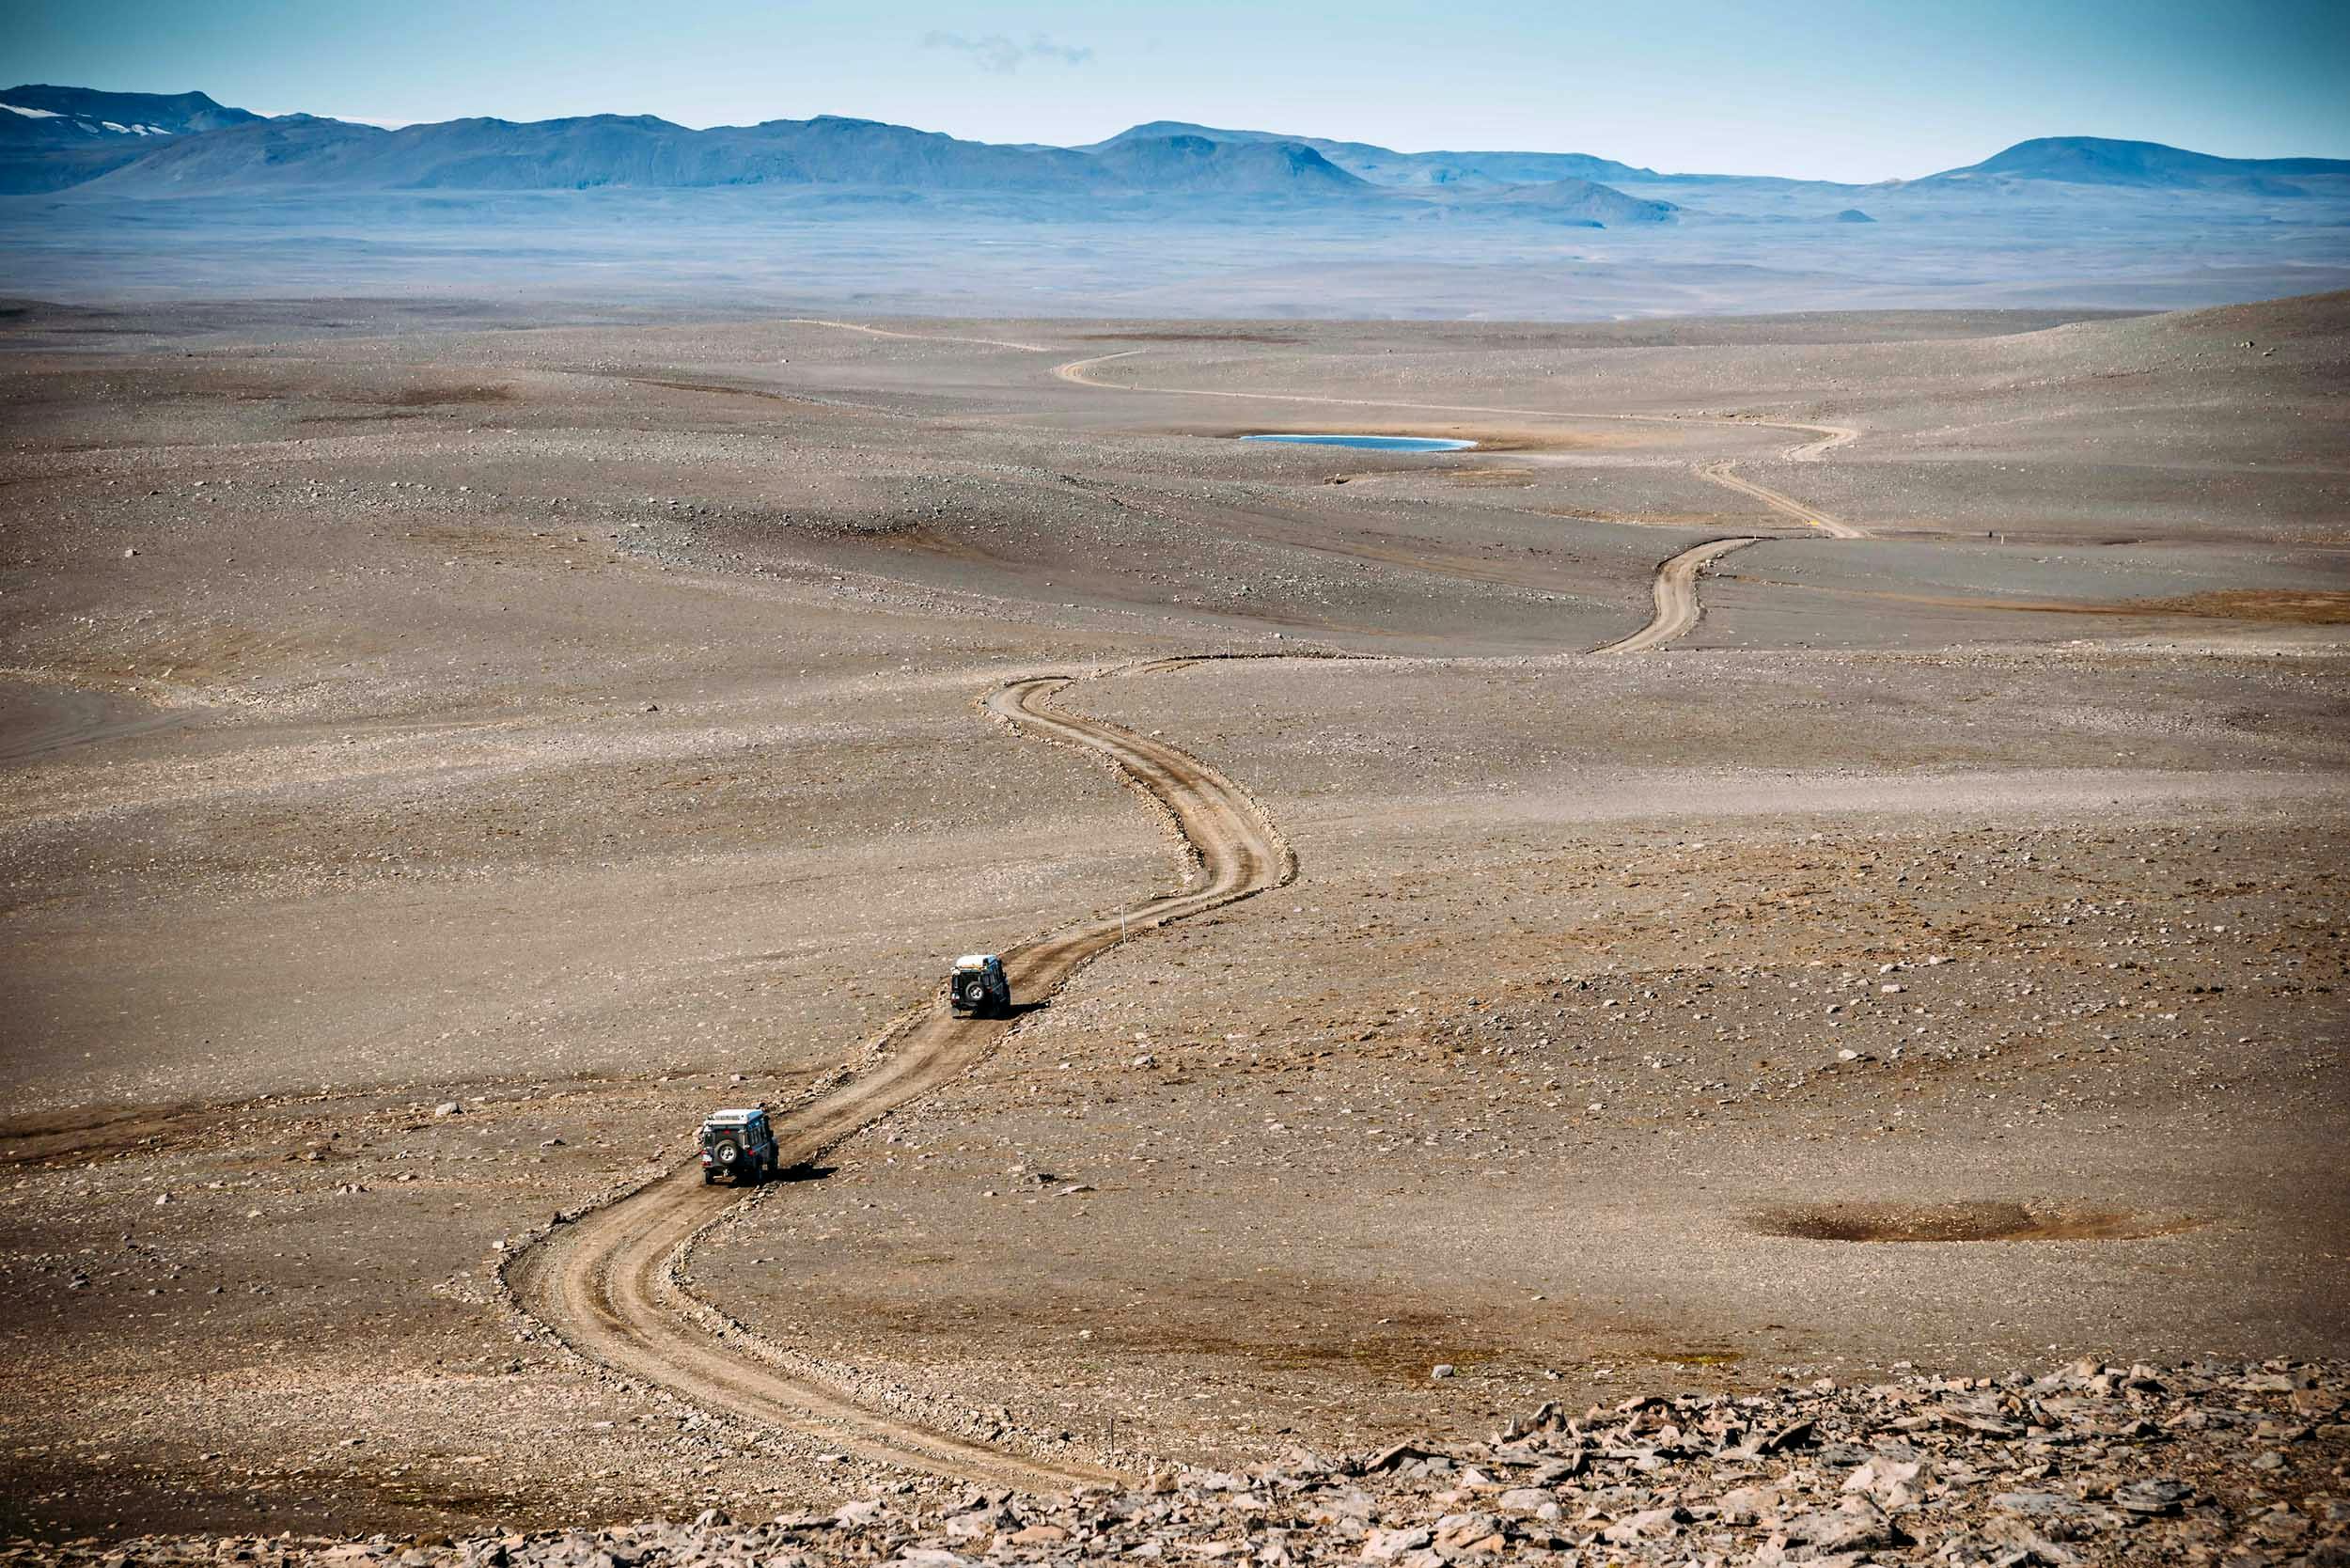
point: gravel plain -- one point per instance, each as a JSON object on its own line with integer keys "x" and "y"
{"x": 1930, "y": 964}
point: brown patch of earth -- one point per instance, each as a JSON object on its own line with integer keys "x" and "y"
{"x": 2298, "y": 609}
{"x": 1173, "y": 336}
{"x": 2288, "y": 607}
{"x": 1491, "y": 478}
{"x": 436, "y": 396}
{"x": 1959, "y": 1222}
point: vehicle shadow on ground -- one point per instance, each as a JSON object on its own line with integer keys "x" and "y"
{"x": 806, "y": 1170}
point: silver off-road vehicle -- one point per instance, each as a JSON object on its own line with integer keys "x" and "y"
{"x": 977, "y": 986}
{"x": 738, "y": 1144}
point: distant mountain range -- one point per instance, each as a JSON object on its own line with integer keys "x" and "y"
{"x": 62, "y": 114}
{"x": 147, "y": 145}
{"x": 1380, "y": 166}
{"x": 53, "y": 137}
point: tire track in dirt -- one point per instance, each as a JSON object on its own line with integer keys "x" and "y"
{"x": 1677, "y": 605}
{"x": 610, "y": 1283}
{"x": 1825, "y": 438}
{"x": 1719, "y": 473}
{"x": 914, "y": 337}
{"x": 53, "y": 719}
{"x": 1677, "y": 609}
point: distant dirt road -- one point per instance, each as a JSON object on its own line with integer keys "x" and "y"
{"x": 1719, "y": 473}
{"x": 1677, "y": 607}
{"x": 915, "y": 336}
{"x": 1825, "y": 436}
{"x": 1076, "y": 371}
{"x": 609, "y": 1282}
{"x": 1831, "y": 438}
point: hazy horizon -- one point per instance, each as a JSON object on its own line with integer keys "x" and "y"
{"x": 1693, "y": 86}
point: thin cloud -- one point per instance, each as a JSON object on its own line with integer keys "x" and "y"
{"x": 998, "y": 52}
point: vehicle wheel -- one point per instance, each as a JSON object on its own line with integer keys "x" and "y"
{"x": 708, "y": 1177}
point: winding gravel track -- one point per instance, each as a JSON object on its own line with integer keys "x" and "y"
{"x": 608, "y": 1283}
{"x": 1719, "y": 473}
{"x": 1677, "y": 607}
{"x": 1824, "y": 438}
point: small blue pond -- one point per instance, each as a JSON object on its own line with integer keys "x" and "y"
{"x": 1371, "y": 443}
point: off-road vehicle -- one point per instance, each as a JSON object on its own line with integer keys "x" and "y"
{"x": 977, "y": 986}
{"x": 740, "y": 1144}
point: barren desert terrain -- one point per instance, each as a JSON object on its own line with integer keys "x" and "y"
{"x": 1815, "y": 850}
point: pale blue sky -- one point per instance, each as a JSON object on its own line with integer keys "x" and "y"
{"x": 1828, "y": 88}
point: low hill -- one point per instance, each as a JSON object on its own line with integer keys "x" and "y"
{"x": 838, "y": 151}
{"x": 1579, "y": 202}
{"x": 1381, "y": 165}
{"x": 2097, "y": 161}
{"x": 1194, "y": 164}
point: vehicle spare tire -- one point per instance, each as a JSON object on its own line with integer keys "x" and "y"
{"x": 971, "y": 992}
{"x": 727, "y": 1154}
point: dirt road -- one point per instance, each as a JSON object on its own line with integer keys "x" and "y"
{"x": 1677, "y": 607}
{"x": 1720, "y": 474}
{"x": 610, "y": 1283}
{"x": 1825, "y": 437}
{"x": 915, "y": 336}
{"x": 43, "y": 721}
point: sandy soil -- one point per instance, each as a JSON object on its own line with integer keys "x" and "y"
{"x": 1931, "y": 952}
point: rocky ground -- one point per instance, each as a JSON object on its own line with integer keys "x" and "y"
{"x": 2241, "y": 1464}
{"x": 1938, "y": 959}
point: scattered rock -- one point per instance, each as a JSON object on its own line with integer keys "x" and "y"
{"x": 1894, "y": 1484}
{"x": 1856, "y": 1524}
{"x": 2160, "y": 1495}
{"x": 1960, "y": 1473}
